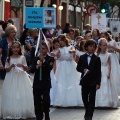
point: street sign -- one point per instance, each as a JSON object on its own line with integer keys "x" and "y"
{"x": 29, "y": 3}
{"x": 91, "y": 9}
{"x": 43, "y": 17}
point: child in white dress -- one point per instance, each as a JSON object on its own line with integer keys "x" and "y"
{"x": 52, "y": 73}
{"x": 17, "y": 98}
{"x": 115, "y": 71}
{"x": 106, "y": 96}
{"x": 81, "y": 50}
{"x": 67, "y": 89}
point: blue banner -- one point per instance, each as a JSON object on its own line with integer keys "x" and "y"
{"x": 43, "y": 17}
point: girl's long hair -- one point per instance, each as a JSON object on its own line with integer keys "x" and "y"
{"x": 100, "y": 41}
{"x": 10, "y": 52}
{"x": 64, "y": 38}
{"x": 109, "y": 38}
{"x": 98, "y": 32}
{"x": 81, "y": 44}
{"x": 55, "y": 41}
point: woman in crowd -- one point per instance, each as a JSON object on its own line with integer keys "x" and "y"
{"x": 5, "y": 44}
{"x": 30, "y": 43}
{"x": 96, "y": 34}
{"x": 66, "y": 28}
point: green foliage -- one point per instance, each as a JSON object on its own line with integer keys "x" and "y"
{"x": 113, "y": 2}
{"x": 108, "y": 1}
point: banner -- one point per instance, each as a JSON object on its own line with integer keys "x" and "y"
{"x": 115, "y": 26}
{"x": 99, "y": 21}
{"x": 43, "y": 17}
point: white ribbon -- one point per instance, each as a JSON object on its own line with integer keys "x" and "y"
{"x": 46, "y": 42}
{"x": 71, "y": 85}
{"x": 85, "y": 74}
{"x": 38, "y": 42}
{"x": 64, "y": 87}
{"x": 18, "y": 69}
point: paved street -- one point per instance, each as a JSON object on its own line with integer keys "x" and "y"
{"x": 78, "y": 113}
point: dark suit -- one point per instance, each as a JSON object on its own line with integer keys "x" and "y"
{"x": 41, "y": 88}
{"x": 89, "y": 81}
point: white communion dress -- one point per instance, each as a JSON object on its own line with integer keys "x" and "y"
{"x": 115, "y": 71}
{"x": 79, "y": 53}
{"x": 107, "y": 95}
{"x": 67, "y": 91}
{"x": 53, "y": 82}
{"x": 17, "y": 97}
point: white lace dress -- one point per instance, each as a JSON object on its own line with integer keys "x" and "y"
{"x": 53, "y": 80}
{"x": 17, "y": 97}
{"x": 79, "y": 53}
{"x": 67, "y": 89}
{"x": 106, "y": 96}
{"x": 115, "y": 71}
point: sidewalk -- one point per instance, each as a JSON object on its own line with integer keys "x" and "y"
{"x": 78, "y": 113}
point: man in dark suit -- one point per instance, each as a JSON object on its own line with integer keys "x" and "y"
{"x": 42, "y": 85}
{"x": 90, "y": 66}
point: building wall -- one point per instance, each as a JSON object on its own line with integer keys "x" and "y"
{"x": 7, "y": 12}
{"x": 1, "y": 10}
{"x": 64, "y": 14}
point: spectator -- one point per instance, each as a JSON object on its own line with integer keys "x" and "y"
{"x": 88, "y": 35}
{"x": 77, "y": 32}
{"x": 10, "y": 21}
{"x": 67, "y": 27}
{"x": 24, "y": 35}
{"x": 5, "y": 44}
{"x": 72, "y": 37}
{"x": 47, "y": 33}
{"x": 58, "y": 30}
{"x": 96, "y": 34}
{"x": 30, "y": 45}
{"x": 87, "y": 27}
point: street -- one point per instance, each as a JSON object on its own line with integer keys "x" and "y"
{"x": 77, "y": 113}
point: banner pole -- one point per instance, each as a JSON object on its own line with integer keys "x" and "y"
{"x": 40, "y": 77}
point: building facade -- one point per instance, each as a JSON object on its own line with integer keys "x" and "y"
{"x": 66, "y": 12}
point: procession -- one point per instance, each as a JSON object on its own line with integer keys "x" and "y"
{"x": 53, "y": 70}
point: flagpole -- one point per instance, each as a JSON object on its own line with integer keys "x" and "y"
{"x": 40, "y": 77}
